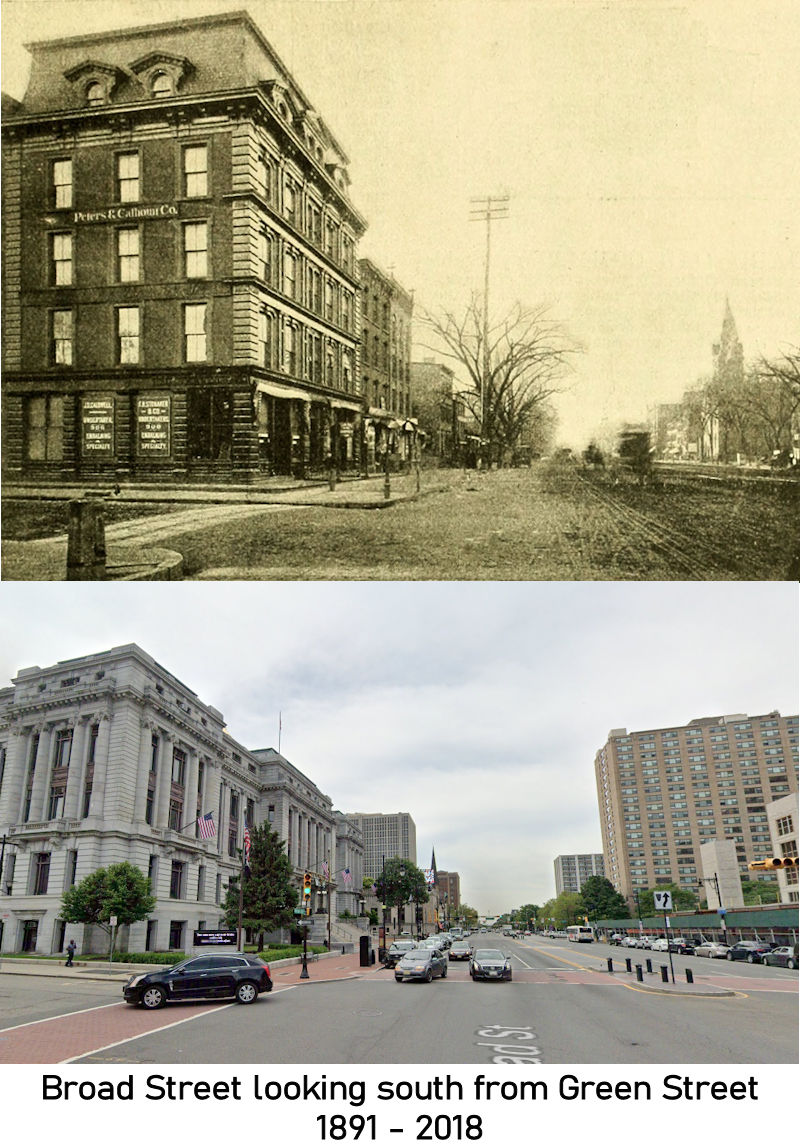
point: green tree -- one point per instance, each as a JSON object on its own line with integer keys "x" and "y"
{"x": 120, "y": 891}
{"x": 681, "y": 898}
{"x": 469, "y": 914}
{"x": 400, "y": 882}
{"x": 760, "y": 892}
{"x": 268, "y": 895}
{"x": 602, "y": 900}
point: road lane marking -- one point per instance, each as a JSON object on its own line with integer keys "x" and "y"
{"x": 125, "y": 1040}
{"x": 61, "y": 1016}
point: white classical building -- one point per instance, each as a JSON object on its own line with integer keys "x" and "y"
{"x": 111, "y": 758}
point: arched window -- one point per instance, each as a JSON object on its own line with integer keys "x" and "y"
{"x": 95, "y": 94}
{"x": 162, "y": 86}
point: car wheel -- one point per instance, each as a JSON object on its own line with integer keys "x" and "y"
{"x": 398, "y": 979}
{"x": 246, "y": 992}
{"x": 428, "y": 977}
{"x": 153, "y": 997}
{"x": 729, "y": 956}
{"x": 790, "y": 964}
{"x": 750, "y": 958}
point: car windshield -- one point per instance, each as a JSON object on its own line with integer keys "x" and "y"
{"x": 489, "y": 955}
{"x": 418, "y": 955}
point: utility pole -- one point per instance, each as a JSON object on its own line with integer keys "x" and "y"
{"x": 488, "y": 208}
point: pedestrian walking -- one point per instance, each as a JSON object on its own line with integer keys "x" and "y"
{"x": 71, "y": 947}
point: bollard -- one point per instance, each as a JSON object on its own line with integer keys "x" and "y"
{"x": 610, "y": 964}
{"x": 86, "y": 542}
{"x": 639, "y": 975}
{"x": 387, "y": 486}
{"x": 665, "y": 974}
{"x": 628, "y": 965}
{"x": 649, "y": 965}
{"x": 689, "y": 977}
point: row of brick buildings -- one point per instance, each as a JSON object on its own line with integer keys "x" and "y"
{"x": 183, "y": 295}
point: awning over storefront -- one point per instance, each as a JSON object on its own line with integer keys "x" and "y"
{"x": 281, "y": 390}
{"x": 345, "y": 405}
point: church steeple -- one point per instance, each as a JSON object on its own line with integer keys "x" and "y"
{"x": 728, "y": 354}
{"x": 433, "y": 866}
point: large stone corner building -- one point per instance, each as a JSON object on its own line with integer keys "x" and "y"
{"x": 180, "y": 276}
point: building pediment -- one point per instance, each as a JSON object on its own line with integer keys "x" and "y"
{"x": 96, "y": 79}
{"x": 161, "y": 73}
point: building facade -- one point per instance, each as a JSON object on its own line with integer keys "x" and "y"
{"x": 783, "y": 818}
{"x": 572, "y": 869}
{"x": 349, "y": 871}
{"x": 385, "y": 835}
{"x": 451, "y": 437}
{"x": 386, "y": 313}
{"x": 111, "y": 758}
{"x": 179, "y": 263}
{"x": 662, "y": 793}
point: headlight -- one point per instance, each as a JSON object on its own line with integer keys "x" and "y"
{"x": 136, "y": 980}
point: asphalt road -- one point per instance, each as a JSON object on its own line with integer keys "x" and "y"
{"x": 558, "y": 1009}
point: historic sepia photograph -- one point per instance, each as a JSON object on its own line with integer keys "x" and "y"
{"x": 370, "y": 290}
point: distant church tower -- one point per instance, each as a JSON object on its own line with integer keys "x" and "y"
{"x": 728, "y": 365}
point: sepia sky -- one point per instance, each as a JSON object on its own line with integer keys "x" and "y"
{"x": 476, "y": 709}
{"x": 648, "y": 149}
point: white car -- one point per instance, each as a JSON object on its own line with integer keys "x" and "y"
{"x": 630, "y": 942}
{"x": 711, "y": 949}
{"x": 660, "y": 945}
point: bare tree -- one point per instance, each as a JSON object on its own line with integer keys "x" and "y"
{"x": 525, "y": 360}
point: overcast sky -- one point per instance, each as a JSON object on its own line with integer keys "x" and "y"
{"x": 476, "y": 708}
{"x": 648, "y": 148}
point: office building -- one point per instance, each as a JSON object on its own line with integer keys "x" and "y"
{"x": 180, "y": 271}
{"x": 663, "y": 793}
{"x": 385, "y": 835}
{"x": 572, "y": 869}
{"x": 111, "y": 758}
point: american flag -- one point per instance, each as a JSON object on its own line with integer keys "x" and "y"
{"x": 325, "y": 870}
{"x": 347, "y": 877}
{"x": 247, "y": 844}
{"x": 206, "y": 826}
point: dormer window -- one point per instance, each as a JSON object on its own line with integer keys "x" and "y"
{"x": 94, "y": 81}
{"x": 162, "y": 86}
{"x": 161, "y": 73}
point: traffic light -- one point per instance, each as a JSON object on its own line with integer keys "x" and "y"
{"x": 774, "y": 863}
{"x": 307, "y": 892}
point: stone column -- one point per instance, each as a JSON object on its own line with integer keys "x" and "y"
{"x": 76, "y": 764}
{"x": 17, "y": 756}
{"x": 164, "y": 783}
{"x": 100, "y": 766}
{"x": 41, "y": 772}
{"x": 143, "y": 771}
{"x": 190, "y": 804}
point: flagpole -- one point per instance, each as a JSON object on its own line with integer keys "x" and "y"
{"x": 241, "y": 902}
{"x": 279, "y": 730}
{"x": 330, "y": 886}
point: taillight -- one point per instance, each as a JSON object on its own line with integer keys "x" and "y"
{"x": 265, "y": 968}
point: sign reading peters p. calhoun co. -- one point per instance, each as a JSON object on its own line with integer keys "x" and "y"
{"x": 124, "y": 213}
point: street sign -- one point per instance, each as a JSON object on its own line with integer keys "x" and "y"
{"x": 662, "y": 900}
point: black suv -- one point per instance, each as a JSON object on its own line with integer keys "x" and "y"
{"x": 200, "y": 978}
{"x": 396, "y": 951}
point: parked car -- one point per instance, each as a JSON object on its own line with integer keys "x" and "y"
{"x": 681, "y": 945}
{"x": 711, "y": 949}
{"x": 396, "y": 950}
{"x": 421, "y": 965}
{"x": 459, "y": 951}
{"x": 616, "y": 939}
{"x": 785, "y": 956}
{"x": 750, "y": 951}
{"x": 490, "y": 964}
{"x": 659, "y": 945}
{"x": 630, "y": 942}
{"x": 236, "y": 975}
